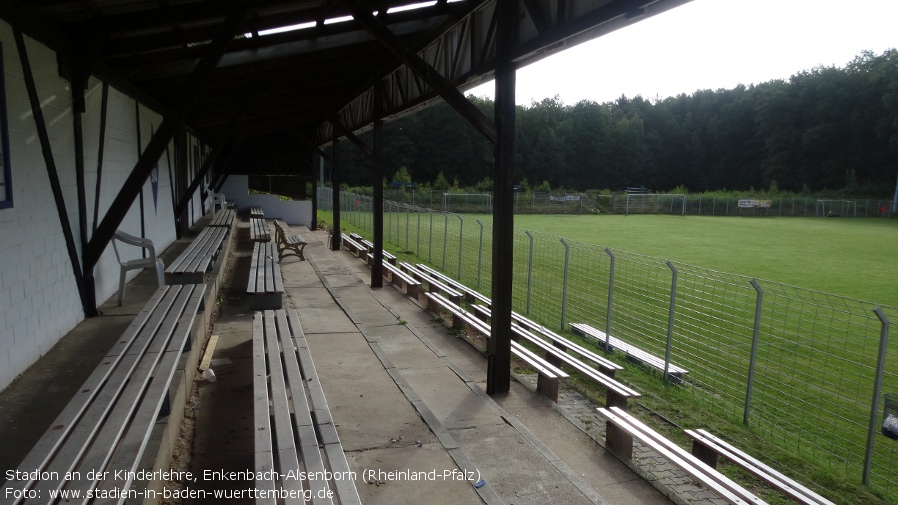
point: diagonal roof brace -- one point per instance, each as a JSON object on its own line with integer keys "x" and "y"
{"x": 170, "y": 123}
{"x": 447, "y": 92}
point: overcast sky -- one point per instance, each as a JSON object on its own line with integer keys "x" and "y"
{"x": 711, "y": 44}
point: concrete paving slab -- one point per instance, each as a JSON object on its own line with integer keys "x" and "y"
{"x": 316, "y": 296}
{"x": 589, "y": 460}
{"x": 368, "y": 408}
{"x": 518, "y": 474}
{"x": 451, "y": 401}
{"x": 436, "y": 488}
{"x": 330, "y": 319}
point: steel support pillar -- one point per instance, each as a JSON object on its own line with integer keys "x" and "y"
{"x": 498, "y": 380}
{"x": 335, "y": 184}
{"x": 377, "y": 180}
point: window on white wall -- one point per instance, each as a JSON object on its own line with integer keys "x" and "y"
{"x": 5, "y": 178}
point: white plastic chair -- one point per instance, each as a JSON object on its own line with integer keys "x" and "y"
{"x": 218, "y": 199}
{"x": 136, "y": 264}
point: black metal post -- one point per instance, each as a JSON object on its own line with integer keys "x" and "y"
{"x": 498, "y": 379}
{"x": 335, "y": 183}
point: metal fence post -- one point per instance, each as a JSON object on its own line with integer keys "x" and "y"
{"x": 670, "y": 320}
{"x": 445, "y": 238}
{"x": 461, "y": 227}
{"x": 408, "y": 210}
{"x": 564, "y": 283}
{"x": 754, "y": 351}
{"x": 610, "y": 294}
{"x": 479, "y": 253}
{"x": 529, "y": 271}
{"x": 418, "y": 247}
{"x": 389, "y": 207}
{"x": 430, "y": 239}
{"x": 877, "y": 390}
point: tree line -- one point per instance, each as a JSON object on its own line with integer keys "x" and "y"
{"x": 827, "y": 129}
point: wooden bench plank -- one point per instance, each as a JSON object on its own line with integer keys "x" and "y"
{"x": 617, "y": 393}
{"x": 286, "y": 450}
{"x": 224, "y": 217}
{"x": 470, "y": 294}
{"x": 127, "y": 453}
{"x": 353, "y": 246}
{"x": 622, "y": 428}
{"x": 406, "y": 282}
{"x": 256, "y": 211}
{"x": 548, "y": 374}
{"x": 116, "y": 407}
{"x": 630, "y": 350}
{"x": 607, "y": 366}
{"x": 293, "y": 377}
{"x": 192, "y": 264}
{"x": 703, "y": 441}
{"x": 264, "y": 446}
{"x": 265, "y": 286}
{"x": 433, "y": 285}
{"x": 258, "y": 230}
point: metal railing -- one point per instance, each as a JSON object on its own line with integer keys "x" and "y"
{"x": 806, "y": 369}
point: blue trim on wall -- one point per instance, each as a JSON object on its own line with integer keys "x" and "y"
{"x": 4, "y": 139}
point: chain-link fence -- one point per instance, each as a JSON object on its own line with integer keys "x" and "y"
{"x": 591, "y": 202}
{"x": 805, "y": 368}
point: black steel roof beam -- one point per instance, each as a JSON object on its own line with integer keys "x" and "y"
{"x": 89, "y": 306}
{"x": 539, "y": 16}
{"x": 170, "y": 124}
{"x": 224, "y": 139}
{"x": 421, "y": 68}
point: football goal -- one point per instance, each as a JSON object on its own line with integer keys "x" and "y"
{"x": 470, "y": 203}
{"x": 835, "y": 208}
{"x": 655, "y": 204}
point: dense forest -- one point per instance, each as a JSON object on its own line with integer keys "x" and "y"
{"x": 826, "y": 129}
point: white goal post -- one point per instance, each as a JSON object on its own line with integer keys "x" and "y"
{"x": 835, "y": 208}
{"x": 461, "y": 203}
{"x": 646, "y": 203}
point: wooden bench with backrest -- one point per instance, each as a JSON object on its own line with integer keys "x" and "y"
{"x": 191, "y": 265}
{"x": 621, "y": 429}
{"x": 471, "y": 295}
{"x": 106, "y": 426}
{"x": 548, "y": 375}
{"x": 402, "y": 280}
{"x": 617, "y": 393}
{"x": 265, "y": 286}
{"x": 294, "y": 431}
{"x": 633, "y": 353}
{"x": 433, "y": 285}
{"x": 258, "y": 230}
{"x": 256, "y": 211}
{"x": 287, "y": 242}
{"x": 224, "y": 217}
{"x": 706, "y": 447}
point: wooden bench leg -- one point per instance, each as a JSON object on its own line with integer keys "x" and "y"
{"x": 552, "y": 359}
{"x": 548, "y": 386}
{"x": 615, "y": 400}
{"x": 618, "y": 441}
{"x": 704, "y": 454}
{"x": 432, "y": 306}
{"x": 457, "y": 323}
{"x": 412, "y": 290}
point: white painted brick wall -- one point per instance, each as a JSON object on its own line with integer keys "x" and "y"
{"x": 39, "y": 301}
